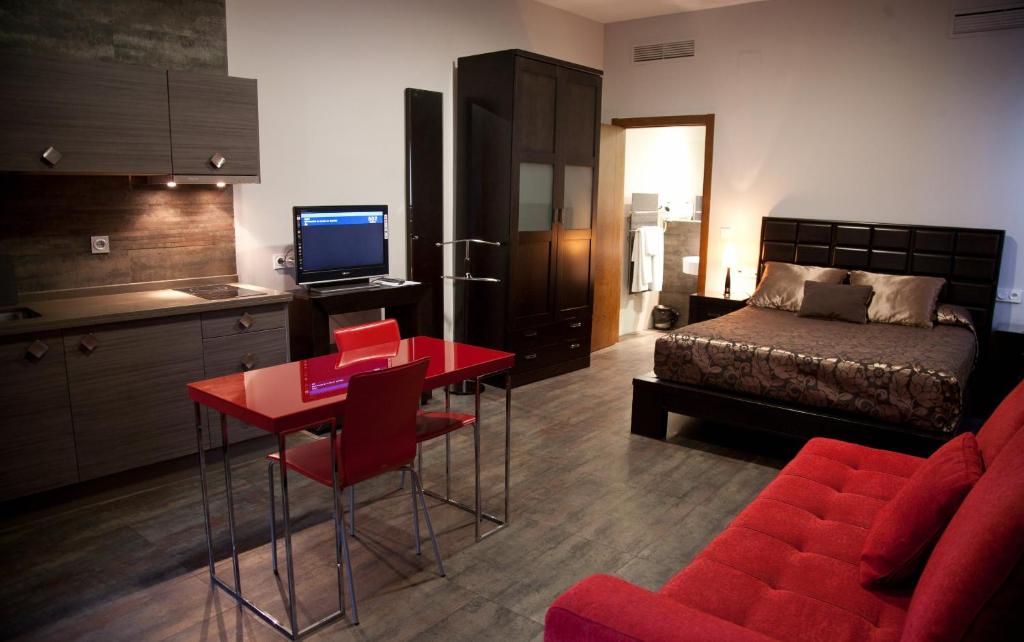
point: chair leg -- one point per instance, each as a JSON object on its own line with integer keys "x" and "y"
{"x": 348, "y": 572}
{"x": 415, "y": 511}
{"x": 430, "y": 527}
{"x": 273, "y": 516}
{"x": 352, "y": 510}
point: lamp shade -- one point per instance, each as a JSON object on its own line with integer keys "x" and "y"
{"x": 728, "y": 248}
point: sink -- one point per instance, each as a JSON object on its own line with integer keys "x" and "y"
{"x": 17, "y": 314}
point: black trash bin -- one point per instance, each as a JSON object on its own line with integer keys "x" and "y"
{"x": 664, "y": 317}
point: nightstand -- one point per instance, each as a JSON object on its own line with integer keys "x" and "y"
{"x": 1002, "y": 367}
{"x": 705, "y": 305}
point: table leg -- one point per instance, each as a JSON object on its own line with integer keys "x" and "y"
{"x": 476, "y": 459}
{"x": 508, "y": 441}
{"x": 231, "y": 502}
{"x": 338, "y": 525}
{"x": 203, "y": 485}
{"x": 447, "y": 448}
{"x": 292, "y": 616}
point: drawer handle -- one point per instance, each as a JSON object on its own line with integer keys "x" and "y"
{"x": 246, "y": 321}
{"x": 36, "y": 351}
{"x": 89, "y": 343}
{"x": 530, "y": 334}
{"x": 573, "y": 346}
{"x": 52, "y": 156}
{"x": 577, "y": 324}
{"x": 218, "y": 160}
{"x": 530, "y": 356}
{"x": 248, "y": 361}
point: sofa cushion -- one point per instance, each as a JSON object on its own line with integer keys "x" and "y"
{"x": 972, "y": 587}
{"x": 906, "y": 528}
{"x": 787, "y": 566}
{"x": 1004, "y": 423}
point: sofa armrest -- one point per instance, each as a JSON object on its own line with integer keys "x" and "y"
{"x": 602, "y": 608}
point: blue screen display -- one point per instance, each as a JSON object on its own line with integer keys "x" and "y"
{"x": 341, "y": 240}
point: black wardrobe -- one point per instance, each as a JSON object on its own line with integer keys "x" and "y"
{"x": 526, "y": 158}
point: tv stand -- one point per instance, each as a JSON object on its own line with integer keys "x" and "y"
{"x": 309, "y": 313}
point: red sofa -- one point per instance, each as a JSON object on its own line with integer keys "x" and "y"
{"x": 787, "y": 567}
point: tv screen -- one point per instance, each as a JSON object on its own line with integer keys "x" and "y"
{"x": 338, "y": 242}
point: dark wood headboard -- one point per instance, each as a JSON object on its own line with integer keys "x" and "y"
{"x": 968, "y": 258}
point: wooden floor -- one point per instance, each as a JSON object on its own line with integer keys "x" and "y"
{"x": 125, "y": 559}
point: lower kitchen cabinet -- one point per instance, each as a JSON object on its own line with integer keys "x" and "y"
{"x": 127, "y": 388}
{"x": 37, "y": 444}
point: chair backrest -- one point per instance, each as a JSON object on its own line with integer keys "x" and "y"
{"x": 972, "y": 587}
{"x": 379, "y": 421}
{"x": 367, "y": 334}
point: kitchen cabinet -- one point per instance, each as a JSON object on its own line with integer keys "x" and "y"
{"x": 214, "y": 124}
{"x": 37, "y": 443}
{"x": 82, "y": 117}
{"x": 127, "y": 388}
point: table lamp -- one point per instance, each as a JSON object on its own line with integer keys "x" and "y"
{"x": 728, "y": 260}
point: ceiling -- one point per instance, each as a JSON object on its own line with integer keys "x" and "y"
{"x": 619, "y": 10}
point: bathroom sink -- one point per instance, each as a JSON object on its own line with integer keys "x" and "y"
{"x": 17, "y": 314}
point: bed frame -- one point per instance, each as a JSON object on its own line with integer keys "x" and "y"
{"x": 968, "y": 258}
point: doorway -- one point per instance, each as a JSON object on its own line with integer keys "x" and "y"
{"x": 666, "y": 167}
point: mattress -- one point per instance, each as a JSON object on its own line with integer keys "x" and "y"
{"x": 891, "y": 373}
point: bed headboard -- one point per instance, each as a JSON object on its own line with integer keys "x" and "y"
{"x": 968, "y": 258}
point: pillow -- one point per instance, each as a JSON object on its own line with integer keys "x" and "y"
{"x": 832, "y": 301}
{"x": 906, "y": 528}
{"x": 782, "y": 285}
{"x": 902, "y": 300}
{"x": 949, "y": 314}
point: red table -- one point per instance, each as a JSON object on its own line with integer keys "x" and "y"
{"x": 300, "y": 394}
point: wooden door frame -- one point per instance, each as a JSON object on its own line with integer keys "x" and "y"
{"x": 708, "y": 121}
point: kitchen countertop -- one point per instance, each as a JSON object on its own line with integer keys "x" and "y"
{"x": 70, "y": 311}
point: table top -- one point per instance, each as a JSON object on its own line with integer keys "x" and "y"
{"x": 302, "y": 393}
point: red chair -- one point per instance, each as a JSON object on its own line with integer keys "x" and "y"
{"x": 429, "y": 425}
{"x": 377, "y": 438}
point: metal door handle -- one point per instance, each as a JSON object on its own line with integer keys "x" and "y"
{"x": 89, "y": 343}
{"x": 218, "y": 160}
{"x": 52, "y": 156}
{"x": 36, "y": 351}
{"x": 246, "y": 321}
{"x": 248, "y": 361}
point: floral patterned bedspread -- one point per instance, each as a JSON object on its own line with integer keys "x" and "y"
{"x": 895, "y": 374}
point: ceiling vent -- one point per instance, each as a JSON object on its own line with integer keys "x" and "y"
{"x": 983, "y": 19}
{"x": 663, "y": 51}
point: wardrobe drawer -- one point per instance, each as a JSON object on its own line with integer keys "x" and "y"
{"x": 534, "y": 337}
{"x": 531, "y": 358}
{"x": 221, "y": 323}
{"x": 576, "y": 329}
{"x": 573, "y": 348}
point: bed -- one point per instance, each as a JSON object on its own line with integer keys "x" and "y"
{"x": 882, "y": 384}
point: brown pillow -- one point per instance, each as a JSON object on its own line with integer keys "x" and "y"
{"x": 949, "y": 314}
{"x": 782, "y": 285}
{"x": 840, "y": 302}
{"x": 903, "y": 300}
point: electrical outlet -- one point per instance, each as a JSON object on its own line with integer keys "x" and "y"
{"x": 100, "y": 244}
{"x": 279, "y": 261}
{"x": 1008, "y": 295}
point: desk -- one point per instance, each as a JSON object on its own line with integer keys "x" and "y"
{"x": 309, "y": 314}
{"x": 288, "y": 397}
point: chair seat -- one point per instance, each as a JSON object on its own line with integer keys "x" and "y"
{"x": 787, "y": 566}
{"x": 313, "y": 460}
{"x": 434, "y": 424}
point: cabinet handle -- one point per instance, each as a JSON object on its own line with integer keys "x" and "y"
{"x": 414, "y": 237}
{"x": 530, "y": 334}
{"x": 36, "y": 351}
{"x": 573, "y": 346}
{"x": 577, "y": 324}
{"x": 89, "y": 343}
{"x": 530, "y": 357}
{"x": 218, "y": 160}
{"x": 52, "y": 156}
{"x": 248, "y": 361}
{"x": 246, "y": 321}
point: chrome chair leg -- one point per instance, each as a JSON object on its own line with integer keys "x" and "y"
{"x": 426, "y": 518}
{"x": 352, "y": 510}
{"x": 273, "y": 515}
{"x": 347, "y": 559}
{"x": 415, "y": 511}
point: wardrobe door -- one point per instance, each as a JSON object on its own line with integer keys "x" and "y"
{"x": 579, "y": 104}
{"x": 537, "y": 185}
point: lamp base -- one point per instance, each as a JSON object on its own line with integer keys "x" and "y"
{"x": 727, "y": 291}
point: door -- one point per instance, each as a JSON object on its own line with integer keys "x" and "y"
{"x": 214, "y": 124}
{"x": 579, "y": 109}
{"x": 537, "y": 180}
{"x": 98, "y": 118}
{"x": 609, "y": 228}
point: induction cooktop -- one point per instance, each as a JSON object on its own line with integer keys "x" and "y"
{"x": 218, "y": 292}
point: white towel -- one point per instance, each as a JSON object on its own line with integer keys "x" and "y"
{"x": 648, "y": 260}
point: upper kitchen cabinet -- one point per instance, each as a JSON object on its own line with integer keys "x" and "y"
{"x": 83, "y": 117}
{"x": 214, "y": 125}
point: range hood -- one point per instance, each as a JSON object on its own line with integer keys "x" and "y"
{"x": 201, "y": 179}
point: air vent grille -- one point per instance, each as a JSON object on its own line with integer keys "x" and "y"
{"x": 980, "y": 20}
{"x": 664, "y": 51}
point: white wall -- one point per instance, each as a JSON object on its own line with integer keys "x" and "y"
{"x": 861, "y": 110}
{"x": 331, "y": 79}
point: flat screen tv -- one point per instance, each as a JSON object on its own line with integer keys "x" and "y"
{"x": 340, "y": 242}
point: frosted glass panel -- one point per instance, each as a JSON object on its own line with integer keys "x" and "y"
{"x": 578, "y": 185}
{"x": 535, "y": 181}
